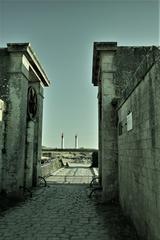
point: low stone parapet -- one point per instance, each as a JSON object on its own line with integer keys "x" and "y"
{"x": 50, "y": 167}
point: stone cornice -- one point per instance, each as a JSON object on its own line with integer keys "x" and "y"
{"x": 26, "y": 49}
{"x": 97, "y": 48}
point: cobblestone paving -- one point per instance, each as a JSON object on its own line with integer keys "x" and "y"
{"x": 64, "y": 212}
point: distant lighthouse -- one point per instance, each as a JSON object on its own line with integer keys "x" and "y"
{"x": 76, "y": 141}
{"x": 62, "y": 141}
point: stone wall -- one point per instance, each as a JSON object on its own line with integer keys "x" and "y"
{"x": 55, "y": 159}
{"x": 21, "y": 88}
{"x": 51, "y": 167}
{"x": 78, "y": 156}
{"x": 129, "y": 90}
{"x": 108, "y": 129}
{"x": 113, "y": 67}
{"x": 139, "y": 151}
{"x": 2, "y": 109}
{"x": 126, "y": 62}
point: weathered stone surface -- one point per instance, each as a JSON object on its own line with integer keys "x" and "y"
{"x": 20, "y": 70}
{"x": 69, "y": 155}
{"x": 139, "y": 151}
{"x": 129, "y": 111}
{"x": 2, "y": 109}
{"x": 53, "y": 160}
{"x": 48, "y": 168}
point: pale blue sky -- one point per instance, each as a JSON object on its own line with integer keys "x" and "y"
{"x": 62, "y": 34}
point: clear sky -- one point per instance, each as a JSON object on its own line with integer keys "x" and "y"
{"x": 62, "y": 34}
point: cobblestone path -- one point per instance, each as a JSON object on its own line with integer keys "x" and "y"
{"x": 64, "y": 212}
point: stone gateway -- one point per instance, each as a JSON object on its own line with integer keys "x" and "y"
{"x": 22, "y": 79}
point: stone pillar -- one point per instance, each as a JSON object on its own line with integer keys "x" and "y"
{"x": 76, "y": 141}
{"x": 62, "y": 141}
{"x": 108, "y": 124}
{"x": 38, "y": 134}
{"x": 99, "y": 134}
{"x": 15, "y": 140}
{"x": 2, "y": 108}
{"x": 29, "y": 154}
